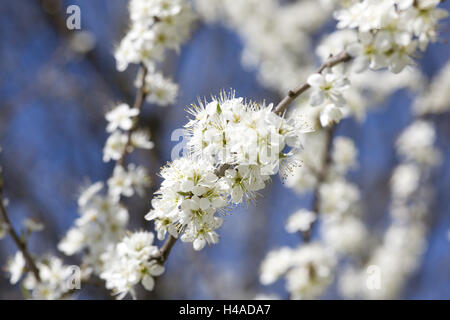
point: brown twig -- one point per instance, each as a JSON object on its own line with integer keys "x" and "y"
{"x": 165, "y": 249}
{"x": 21, "y": 245}
{"x": 138, "y": 102}
{"x": 293, "y": 94}
{"x": 321, "y": 176}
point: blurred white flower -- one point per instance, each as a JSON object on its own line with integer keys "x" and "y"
{"x": 300, "y": 221}
{"x": 120, "y": 117}
{"x": 15, "y": 267}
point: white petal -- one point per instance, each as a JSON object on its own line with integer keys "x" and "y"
{"x": 316, "y": 80}
{"x": 148, "y": 282}
{"x": 199, "y": 244}
{"x": 156, "y": 270}
{"x": 317, "y": 98}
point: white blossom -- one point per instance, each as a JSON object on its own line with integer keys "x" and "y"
{"x": 129, "y": 263}
{"x": 141, "y": 139}
{"x": 390, "y": 31}
{"x": 416, "y": 143}
{"x": 156, "y": 25}
{"x": 346, "y": 236}
{"x": 337, "y": 197}
{"x": 330, "y": 115}
{"x": 344, "y": 154}
{"x": 33, "y": 225}
{"x": 405, "y": 180}
{"x": 276, "y": 263}
{"x": 327, "y": 87}
{"x": 120, "y": 183}
{"x": 115, "y": 146}
{"x": 308, "y": 269}
{"x": 121, "y": 117}
{"x": 15, "y": 267}
{"x": 54, "y": 278}
{"x": 300, "y": 221}
{"x": 160, "y": 90}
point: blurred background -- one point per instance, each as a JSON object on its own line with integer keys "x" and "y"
{"x": 56, "y": 85}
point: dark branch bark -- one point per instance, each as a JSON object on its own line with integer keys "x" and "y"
{"x": 21, "y": 245}
{"x": 321, "y": 176}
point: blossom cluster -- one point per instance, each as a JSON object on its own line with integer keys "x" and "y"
{"x": 276, "y": 42}
{"x": 187, "y": 201}
{"x": 404, "y": 242}
{"x": 103, "y": 218}
{"x": 129, "y": 263}
{"x": 435, "y": 99}
{"x": 338, "y": 206}
{"x": 308, "y": 269}
{"x": 193, "y": 191}
{"x": 56, "y": 280}
{"x": 121, "y": 119}
{"x": 156, "y": 25}
{"x": 390, "y": 31}
{"x": 102, "y": 221}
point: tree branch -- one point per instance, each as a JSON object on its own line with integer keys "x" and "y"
{"x": 293, "y": 94}
{"x": 21, "y": 245}
{"x": 321, "y": 176}
{"x": 165, "y": 249}
{"x": 138, "y": 102}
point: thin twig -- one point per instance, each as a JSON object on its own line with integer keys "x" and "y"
{"x": 21, "y": 245}
{"x": 293, "y": 94}
{"x": 138, "y": 102}
{"x": 165, "y": 249}
{"x": 321, "y": 176}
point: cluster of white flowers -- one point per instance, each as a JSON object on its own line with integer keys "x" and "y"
{"x": 102, "y": 221}
{"x": 327, "y": 91}
{"x": 187, "y": 201}
{"x": 404, "y": 241}
{"x": 308, "y": 269}
{"x": 304, "y": 178}
{"x": 156, "y": 25}
{"x": 160, "y": 90}
{"x": 338, "y": 207}
{"x": 341, "y": 228}
{"x": 218, "y": 127}
{"x": 192, "y": 193}
{"x": 435, "y": 99}
{"x": 300, "y": 221}
{"x": 127, "y": 182}
{"x": 55, "y": 278}
{"x": 129, "y": 263}
{"x": 120, "y": 120}
{"x": 416, "y": 143}
{"x": 334, "y": 99}
{"x": 390, "y": 31}
{"x": 339, "y": 202}
{"x": 276, "y": 42}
